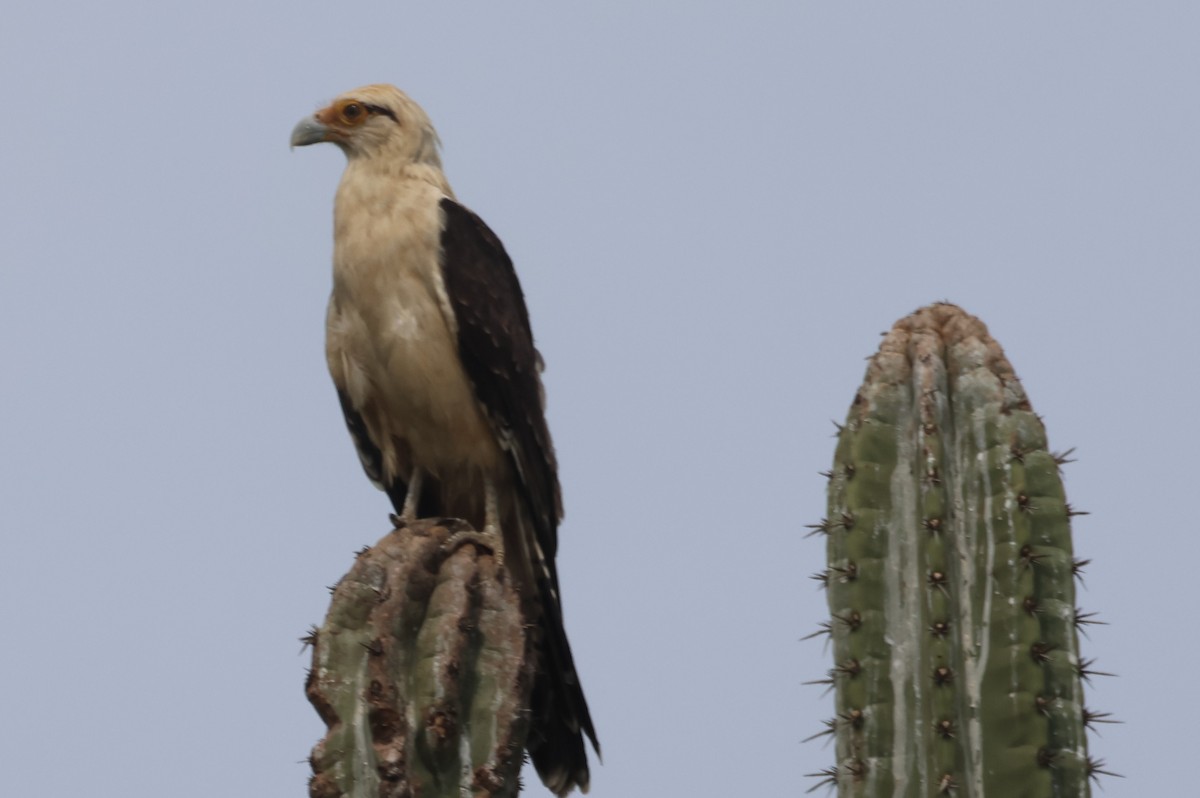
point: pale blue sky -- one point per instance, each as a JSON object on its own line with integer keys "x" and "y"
{"x": 714, "y": 214}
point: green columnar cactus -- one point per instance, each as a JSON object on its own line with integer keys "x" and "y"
{"x": 951, "y": 580}
{"x": 422, "y": 672}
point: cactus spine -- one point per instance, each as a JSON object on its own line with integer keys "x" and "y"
{"x": 422, "y": 672}
{"x": 951, "y": 579}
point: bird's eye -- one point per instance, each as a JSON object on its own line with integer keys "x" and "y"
{"x": 352, "y": 112}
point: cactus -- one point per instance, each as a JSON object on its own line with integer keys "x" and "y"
{"x": 422, "y": 671}
{"x": 950, "y": 580}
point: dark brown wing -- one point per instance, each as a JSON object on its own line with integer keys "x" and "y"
{"x": 495, "y": 344}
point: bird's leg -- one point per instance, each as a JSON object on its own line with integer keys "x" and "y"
{"x": 412, "y": 499}
{"x": 491, "y": 519}
{"x": 489, "y": 537}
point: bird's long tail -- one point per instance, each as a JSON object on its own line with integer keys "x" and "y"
{"x": 560, "y": 711}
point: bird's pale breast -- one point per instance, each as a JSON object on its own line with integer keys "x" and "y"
{"x": 391, "y": 341}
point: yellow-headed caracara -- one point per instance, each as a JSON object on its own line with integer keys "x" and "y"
{"x": 429, "y": 345}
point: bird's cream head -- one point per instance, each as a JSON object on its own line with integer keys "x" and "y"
{"x": 376, "y": 120}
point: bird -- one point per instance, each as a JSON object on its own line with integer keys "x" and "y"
{"x": 429, "y": 345}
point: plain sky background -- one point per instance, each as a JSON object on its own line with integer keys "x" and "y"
{"x": 714, "y": 212}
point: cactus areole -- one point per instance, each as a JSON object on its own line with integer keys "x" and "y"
{"x": 950, "y": 579}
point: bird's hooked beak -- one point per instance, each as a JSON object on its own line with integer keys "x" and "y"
{"x": 310, "y": 130}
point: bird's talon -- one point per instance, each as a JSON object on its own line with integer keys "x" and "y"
{"x": 487, "y": 540}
